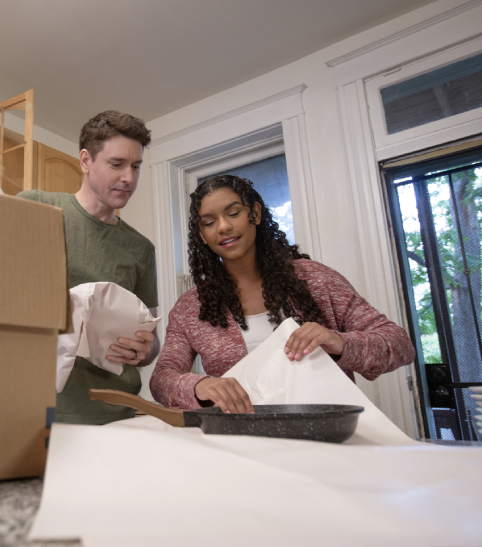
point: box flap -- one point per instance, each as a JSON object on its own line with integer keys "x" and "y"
{"x": 33, "y": 264}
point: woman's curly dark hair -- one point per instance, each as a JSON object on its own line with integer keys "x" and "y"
{"x": 283, "y": 292}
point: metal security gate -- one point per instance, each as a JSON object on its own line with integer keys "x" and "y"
{"x": 436, "y": 211}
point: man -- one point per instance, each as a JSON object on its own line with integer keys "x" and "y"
{"x": 102, "y": 247}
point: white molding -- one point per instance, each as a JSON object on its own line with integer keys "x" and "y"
{"x": 275, "y": 119}
{"x": 188, "y": 176}
{"x": 191, "y": 159}
{"x": 380, "y": 284}
{"x": 444, "y": 34}
{"x": 449, "y": 134}
{"x": 177, "y": 173}
{"x": 430, "y": 134}
{"x": 365, "y": 184}
{"x": 231, "y": 114}
{"x": 166, "y": 276}
{"x": 225, "y": 162}
{"x": 305, "y": 221}
{"x": 205, "y": 161}
{"x": 405, "y": 33}
{"x": 262, "y": 119}
{"x": 182, "y": 211}
{"x": 437, "y": 40}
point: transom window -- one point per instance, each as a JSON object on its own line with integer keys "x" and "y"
{"x": 438, "y": 94}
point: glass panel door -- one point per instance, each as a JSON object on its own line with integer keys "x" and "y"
{"x": 436, "y": 208}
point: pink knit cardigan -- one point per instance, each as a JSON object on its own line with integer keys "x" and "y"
{"x": 372, "y": 344}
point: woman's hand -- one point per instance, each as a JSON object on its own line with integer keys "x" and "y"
{"x": 308, "y": 337}
{"x": 226, "y": 393}
{"x": 132, "y": 352}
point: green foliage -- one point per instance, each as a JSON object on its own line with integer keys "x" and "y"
{"x": 431, "y": 348}
{"x": 448, "y": 250}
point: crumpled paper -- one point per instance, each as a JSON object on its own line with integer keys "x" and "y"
{"x": 270, "y": 378}
{"x": 101, "y": 313}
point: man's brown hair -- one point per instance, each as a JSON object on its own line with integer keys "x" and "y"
{"x": 110, "y": 124}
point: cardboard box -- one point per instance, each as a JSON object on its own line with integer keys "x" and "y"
{"x": 34, "y": 307}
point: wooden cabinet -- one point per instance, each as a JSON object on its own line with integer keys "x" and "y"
{"x": 12, "y": 182}
{"x": 57, "y": 172}
{"x": 53, "y": 171}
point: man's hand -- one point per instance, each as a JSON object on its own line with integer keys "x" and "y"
{"x": 127, "y": 348}
{"x": 226, "y": 393}
{"x": 308, "y": 337}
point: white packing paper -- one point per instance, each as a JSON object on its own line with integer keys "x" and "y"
{"x": 101, "y": 313}
{"x": 143, "y": 483}
{"x": 269, "y": 377}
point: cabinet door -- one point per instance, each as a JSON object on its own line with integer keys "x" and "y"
{"x": 58, "y": 172}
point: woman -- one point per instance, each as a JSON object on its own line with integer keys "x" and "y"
{"x": 248, "y": 280}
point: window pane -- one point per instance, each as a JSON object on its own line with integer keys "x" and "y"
{"x": 270, "y": 178}
{"x": 444, "y": 92}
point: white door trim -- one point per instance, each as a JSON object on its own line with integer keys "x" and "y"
{"x": 381, "y": 287}
{"x": 446, "y": 31}
{"x": 443, "y": 31}
{"x": 279, "y": 118}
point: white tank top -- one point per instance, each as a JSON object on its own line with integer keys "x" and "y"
{"x": 259, "y": 328}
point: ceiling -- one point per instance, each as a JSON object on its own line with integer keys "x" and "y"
{"x": 150, "y": 57}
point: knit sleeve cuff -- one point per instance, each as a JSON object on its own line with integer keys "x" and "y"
{"x": 353, "y": 356}
{"x": 187, "y": 396}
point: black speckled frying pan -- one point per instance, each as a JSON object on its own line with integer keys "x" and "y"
{"x": 328, "y": 423}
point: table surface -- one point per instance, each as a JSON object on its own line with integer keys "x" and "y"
{"x": 20, "y": 499}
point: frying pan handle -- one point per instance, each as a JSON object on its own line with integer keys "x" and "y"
{"x": 170, "y": 416}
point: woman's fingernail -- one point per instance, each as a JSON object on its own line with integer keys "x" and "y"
{"x": 286, "y": 349}
{"x": 307, "y": 351}
{"x": 122, "y": 340}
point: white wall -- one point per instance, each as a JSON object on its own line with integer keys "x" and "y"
{"x": 334, "y": 201}
{"x": 334, "y": 204}
{"x": 139, "y": 212}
